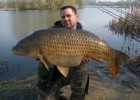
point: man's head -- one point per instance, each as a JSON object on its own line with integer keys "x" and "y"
{"x": 69, "y": 16}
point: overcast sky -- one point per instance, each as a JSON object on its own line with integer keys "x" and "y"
{"x": 109, "y": 0}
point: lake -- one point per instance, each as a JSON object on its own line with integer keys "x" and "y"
{"x": 15, "y": 25}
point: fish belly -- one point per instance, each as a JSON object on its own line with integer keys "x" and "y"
{"x": 64, "y": 61}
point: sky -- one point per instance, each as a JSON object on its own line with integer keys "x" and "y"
{"x": 97, "y": 0}
{"x": 110, "y": 0}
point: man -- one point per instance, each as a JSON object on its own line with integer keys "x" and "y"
{"x": 51, "y": 81}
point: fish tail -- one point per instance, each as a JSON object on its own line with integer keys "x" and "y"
{"x": 114, "y": 67}
{"x": 119, "y": 59}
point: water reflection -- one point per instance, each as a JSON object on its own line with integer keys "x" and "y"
{"x": 24, "y": 23}
{"x": 130, "y": 46}
{"x": 130, "y": 43}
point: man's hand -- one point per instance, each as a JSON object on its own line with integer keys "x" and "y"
{"x": 85, "y": 60}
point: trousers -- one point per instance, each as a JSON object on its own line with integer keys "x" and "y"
{"x": 49, "y": 82}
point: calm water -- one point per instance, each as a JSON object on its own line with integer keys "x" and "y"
{"x": 15, "y": 25}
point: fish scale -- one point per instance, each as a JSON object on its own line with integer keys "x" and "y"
{"x": 66, "y": 48}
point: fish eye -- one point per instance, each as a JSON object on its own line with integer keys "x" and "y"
{"x": 20, "y": 45}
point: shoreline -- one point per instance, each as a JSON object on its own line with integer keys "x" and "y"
{"x": 102, "y": 85}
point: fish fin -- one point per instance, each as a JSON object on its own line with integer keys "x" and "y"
{"x": 114, "y": 67}
{"x": 115, "y": 59}
{"x": 100, "y": 60}
{"x": 43, "y": 60}
{"x": 64, "y": 71}
{"x": 118, "y": 59}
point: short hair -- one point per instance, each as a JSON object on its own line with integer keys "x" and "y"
{"x": 65, "y": 7}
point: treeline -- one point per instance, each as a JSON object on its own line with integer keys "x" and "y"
{"x": 110, "y": 3}
{"x": 37, "y": 4}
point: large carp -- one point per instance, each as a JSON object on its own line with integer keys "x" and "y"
{"x": 67, "y": 47}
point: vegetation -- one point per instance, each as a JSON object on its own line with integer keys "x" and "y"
{"x": 18, "y": 90}
{"x": 54, "y": 4}
{"x": 37, "y": 4}
{"x": 129, "y": 26}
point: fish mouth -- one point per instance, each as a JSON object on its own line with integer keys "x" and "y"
{"x": 14, "y": 50}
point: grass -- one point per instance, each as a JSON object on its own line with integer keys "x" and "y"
{"x": 18, "y": 90}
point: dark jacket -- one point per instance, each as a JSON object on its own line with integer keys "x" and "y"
{"x": 58, "y": 24}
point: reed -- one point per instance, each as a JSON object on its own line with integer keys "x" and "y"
{"x": 127, "y": 26}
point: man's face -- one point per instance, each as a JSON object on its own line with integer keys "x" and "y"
{"x": 69, "y": 18}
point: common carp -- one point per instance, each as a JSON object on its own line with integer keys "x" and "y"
{"x": 65, "y": 48}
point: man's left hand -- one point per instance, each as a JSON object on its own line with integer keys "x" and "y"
{"x": 85, "y": 60}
